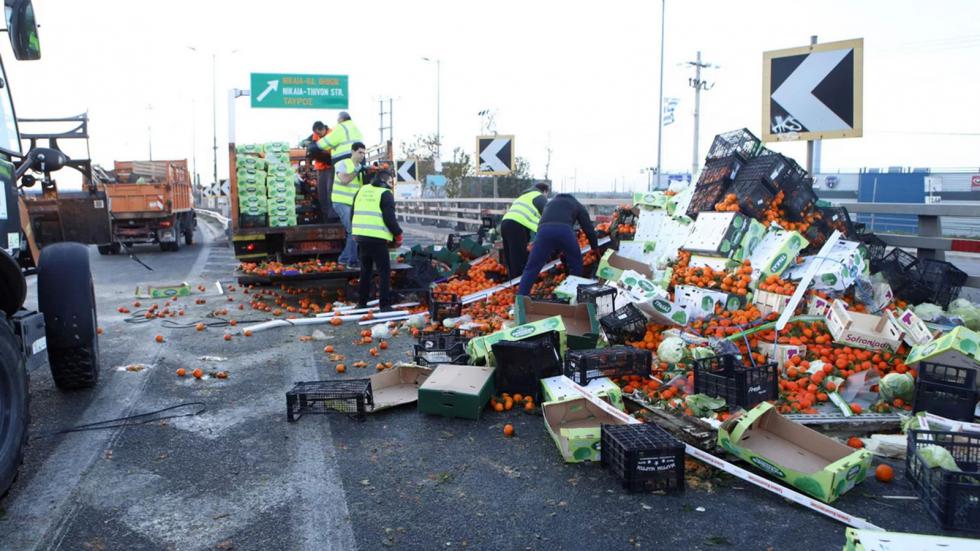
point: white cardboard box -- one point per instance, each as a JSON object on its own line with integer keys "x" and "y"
{"x": 863, "y": 330}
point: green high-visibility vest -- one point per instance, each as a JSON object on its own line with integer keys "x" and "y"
{"x": 340, "y": 140}
{"x": 523, "y": 211}
{"x": 344, "y": 194}
{"x": 367, "y": 219}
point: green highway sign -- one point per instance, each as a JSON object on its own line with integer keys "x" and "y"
{"x": 293, "y": 91}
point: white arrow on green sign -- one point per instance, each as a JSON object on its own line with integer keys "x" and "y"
{"x": 293, "y": 91}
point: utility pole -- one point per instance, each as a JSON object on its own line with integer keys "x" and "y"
{"x": 698, "y": 84}
{"x": 810, "y": 143}
{"x": 547, "y": 164}
{"x": 660, "y": 104}
{"x": 149, "y": 128}
{"x": 214, "y": 113}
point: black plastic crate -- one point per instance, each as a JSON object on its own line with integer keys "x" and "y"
{"x": 726, "y": 377}
{"x": 798, "y": 195}
{"x": 444, "y": 305}
{"x": 454, "y": 354}
{"x": 706, "y": 196}
{"x": 583, "y": 366}
{"x": 602, "y": 296}
{"x": 441, "y": 341}
{"x": 754, "y": 197}
{"x": 740, "y": 141}
{"x": 724, "y": 169}
{"x": 643, "y": 456}
{"x": 949, "y": 401}
{"x": 549, "y": 297}
{"x": 352, "y": 396}
{"x": 770, "y": 170}
{"x": 836, "y": 218}
{"x": 876, "y": 248}
{"x": 253, "y": 220}
{"x": 952, "y": 498}
{"x": 626, "y": 323}
{"x": 964, "y": 377}
{"x": 520, "y": 365}
{"x": 920, "y": 280}
{"x": 942, "y": 279}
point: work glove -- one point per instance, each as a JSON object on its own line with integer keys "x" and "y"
{"x": 398, "y": 240}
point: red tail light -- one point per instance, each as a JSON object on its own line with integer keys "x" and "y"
{"x": 250, "y": 247}
{"x": 165, "y": 224}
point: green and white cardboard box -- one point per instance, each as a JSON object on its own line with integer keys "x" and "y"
{"x": 678, "y": 204}
{"x": 457, "y": 391}
{"x": 642, "y": 286}
{"x": 576, "y": 427}
{"x": 662, "y": 311}
{"x": 253, "y": 200}
{"x": 846, "y": 262}
{"x": 649, "y": 223}
{"x": 478, "y": 348}
{"x": 700, "y": 303}
{"x": 282, "y": 221}
{"x": 248, "y": 161}
{"x": 559, "y": 388}
{"x": 612, "y": 264}
{"x": 650, "y": 199}
{"x": 674, "y": 232}
{"x": 717, "y": 234}
{"x": 251, "y": 175}
{"x": 569, "y": 287}
{"x": 640, "y": 251}
{"x": 817, "y": 465}
{"x": 960, "y": 347}
{"x": 776, "y": 253}
{"x": 582, "y": 329}
{"x": 713, "y": 262}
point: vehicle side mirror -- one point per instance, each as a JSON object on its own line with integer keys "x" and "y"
{"x": 22, "y": 28}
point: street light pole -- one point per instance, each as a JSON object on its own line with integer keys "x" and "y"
{"x": 214, "y": 112}
{"x": 660, "y": 104}
{"x": 438, "y": 106}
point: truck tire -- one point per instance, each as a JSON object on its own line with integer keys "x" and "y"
{"x": 66, "y": 297}
{"x": 116, "y": 247}
{"x": 13, "y": 286}
{"x": 14, "y": 414}
{"x": 105, "y": 249}
{"x": 189, "y": 236}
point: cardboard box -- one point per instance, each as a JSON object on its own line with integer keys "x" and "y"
{"x": 717, "y": 263}
{"x": 456, "y": 391}
{"x": 841, "y": 267}
{"x": 576, "y": 427}
{"x": 582, "y": 328}
{"x": 557, "y": 389}
{"x": 815, "y": 464}
{"x": 648, "y": 224}
{"x": 164, "y": 291}
{"x": 478, "y": 348}
{"x": 915, "y": 330}
{"x": 642, "y": 287}
{"x": 640, "y": 251}
{"x": 612, "y": 264}
{"x": 662, "y": 311}
{"x": 750, "y": 241}
{"x": 678, "y": 204}
{"x": 717, "y": 233}
{"x": 569, "y": 287}
{"x": 781, "y": 353}
{"x": 398, "y": 386}
{"x": 776, "y": 252}
{"x": 674, "y": 232}
{"x": 700, "y": 303}
{"x": 960, "y": 347}
{"x": 651, "y": 199}
{"x": 863, "y": 330}
{"x": 818, "y": 306}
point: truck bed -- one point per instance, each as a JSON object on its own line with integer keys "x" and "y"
{"x": 147, "y": 200}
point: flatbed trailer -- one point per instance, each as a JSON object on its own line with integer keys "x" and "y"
{"x": 151, "y": 202}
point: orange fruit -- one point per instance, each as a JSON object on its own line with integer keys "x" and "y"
{"x": 366, "y": 333}
{"x": 856, "y": 408}
{"x": 198, "y": 373}
{"x": 99, "y": 331}
{"x": 498, "y": 407}
{"x": 221, "y": 374}
{"x": 341, "y": 368}
{"x": 528, "y": 406}
{"x": 508, "y": 430}
{"x": 248, "y": 333}
{"x": 518, "y": 397}
{"x": 158, "y": 338}
{"x": 328, "y": 349}
{"x": 373, "y": 351}
{"x": 380, "y": 366}
{"x": 336, "y": 321}
{"x": 232, "y": 322}
{"x": 181, "y": 372}
{"x": 227, "y": 336}
{"x": 383, "y": 345}
{"x": 855, "y": 442}
{"x": 199, "y": 326}
{"x": 884, "y": 473}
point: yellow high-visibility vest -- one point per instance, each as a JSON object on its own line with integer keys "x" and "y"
{"x": 344, "y": 194}
{"x": 523, "y": 211}
{"x": 368, "y": 220}
{"x": 340, "y": 140}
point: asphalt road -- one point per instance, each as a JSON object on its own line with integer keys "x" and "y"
{"x": 239, "y": 476}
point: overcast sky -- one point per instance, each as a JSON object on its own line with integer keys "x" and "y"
{"x": 578, "y": 78}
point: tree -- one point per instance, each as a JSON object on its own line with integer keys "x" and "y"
{"x": 522, "y": 169}
{"x": 421, "y": 147}
{"x": 460, "y": 167}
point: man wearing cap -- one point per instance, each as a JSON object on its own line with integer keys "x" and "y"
{"x": 374, "y": 226}
{"x": 340, "y": 140}
{"x": 517, "y": 225}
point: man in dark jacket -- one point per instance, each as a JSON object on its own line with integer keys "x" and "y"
{"x": 556, "y": 233}
{"x": 374, "y": 226}
{"x": 323, "y": 165}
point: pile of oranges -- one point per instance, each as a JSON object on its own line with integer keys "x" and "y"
{"x": 278, "y": 268}
{"x": 728, "y": 204}
{"x": 506, "y": 402}
{"x": 775, "y": 284}
{"x": 735, "y": 281}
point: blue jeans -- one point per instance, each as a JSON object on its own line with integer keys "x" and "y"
{"x": 551, "y": 238}
{"x": 349, "y": 255}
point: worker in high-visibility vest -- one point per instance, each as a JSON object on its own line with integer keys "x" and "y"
{"x": 556, "y": 233}
{"x": 374, "y": 227}
{"x": 339, "y": 142}
{"x": 520, "y": 221}
{"x": 348, "y": 179}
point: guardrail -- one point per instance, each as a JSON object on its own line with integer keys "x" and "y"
{"x": 465, "y": 213}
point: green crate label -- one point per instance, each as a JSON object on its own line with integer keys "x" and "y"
{"x": 795, "y": 241}
{"x": 726, "y": 246}
{"x": 853, "y": 472}
{"x": 733, "y": 304}
{"x": 769, "y": 467}
{"x": 707, "y": 303}
{"x": 680, "y": 317}
{"x": 582, "y": 453}
{"x": 661, "y": 306}
{"x": 738, "y": 222}
{"x": 809, "y": 486}
{"x": 968, "y": 346}
{"x": 778, "y": 264}
{"x": 828, "y": 279}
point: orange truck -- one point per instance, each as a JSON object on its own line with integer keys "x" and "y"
{"x": 150, "y": 202}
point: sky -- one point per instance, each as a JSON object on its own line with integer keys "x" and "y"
{"x": 579, "y": 79}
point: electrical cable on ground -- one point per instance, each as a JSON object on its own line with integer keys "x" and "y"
{"x": 129, "y": 420}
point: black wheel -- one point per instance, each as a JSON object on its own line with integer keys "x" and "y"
{"x": 116, "y": 248}
{"x": 164, "y": 247}
{"x": 105, "y": 249}
{"x": 189, "y": 236}
{"x": 66, "y": 297}
{"x": 13, "y": 405}
{"x": 13, "y": 286}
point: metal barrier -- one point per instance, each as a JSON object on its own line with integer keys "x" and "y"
{"x": 460, "y": 214}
